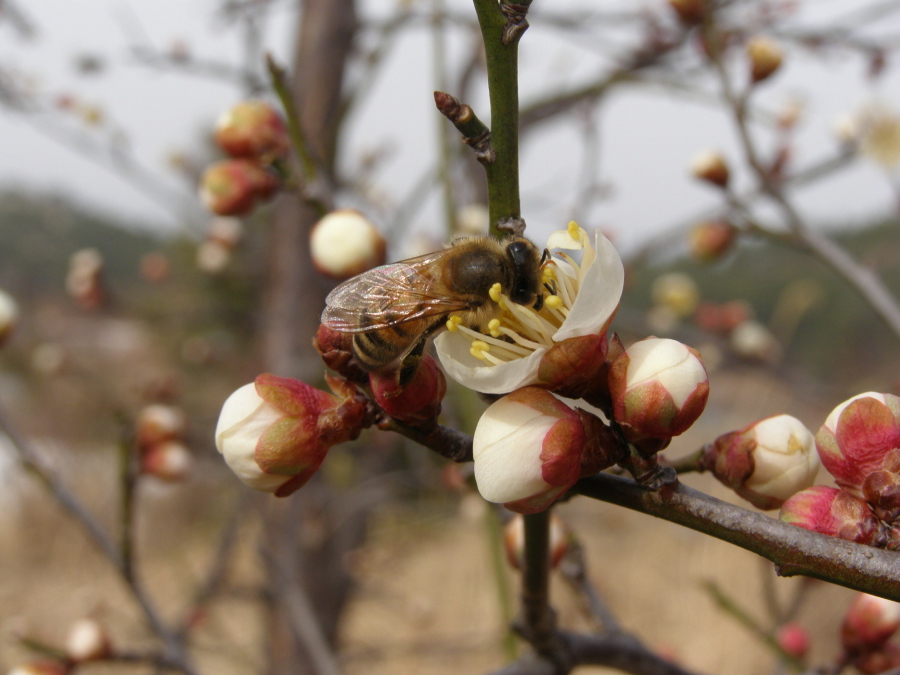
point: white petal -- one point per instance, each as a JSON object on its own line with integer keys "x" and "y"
{"x": 460, "y": 365}
{"x": 507, "y": 448}
{"x": 669, "y": 362}
{"x": 562, "y": 239}
{"x": 599, "y": 295}
{"x": 244, "y": 418}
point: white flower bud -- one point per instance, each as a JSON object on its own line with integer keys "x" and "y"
{"x": 659, "y": 388}
{"x": 87, "y": 640}
{"x": 169, "y": 461}
{"x": 244, "y": 418}
{"x": 785, "y": 459}
{"x": 677, "y": 291}
{"x": 345, "y": 243}
{"x": 711, "y": 167}
{"x": 158, "y": 422}
{"x": 752, "y": 340}
{"x": 9, "y": 315}
{"x": 527, "y": 446}
{"x": 212, "y": 257}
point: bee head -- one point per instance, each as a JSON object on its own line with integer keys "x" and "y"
{"x": 526, "y": 267}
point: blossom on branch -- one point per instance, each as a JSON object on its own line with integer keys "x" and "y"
{"x": 525, "y": 346}
{"x": 345, "y": 243}
{"x": 530, "y": 447}
{"x": 765, "y": 462}
{"x": 659, "y": 388}
{"x": 275, "y": 432}
{"x": 252, "y": 129}
{"x": 9, "y": 315}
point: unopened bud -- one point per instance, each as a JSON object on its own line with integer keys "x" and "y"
{"x": 84, "y": 281}
{"x": 9, "y": 316}
{"x": 336, "y": 350}
{"x": 857, "y": 438}
{"x": 677, "y": 291}
{"x": 514, "y": 540}
{"x": 765, "y": 57}
{"x": 169, "y": 461}
{"x": 252, "y": 129}
{"x": 233, "y": 187}
{"x": 766, "y": 462}
{"x": 155, "y": 267}
{"x": 212, "y": 257}
{"x": 869, "y": 622}
{"x": 158, "y": 423}
{"x": 659, "y": 388}
{"x": 830, "y": 511}
{"x": 416, "y": 401}
{"x": 724, "y": 318}
{"x": 87, "y": 641}
{"x": 711, "y": 167}
{"x": 225, "y": 230}
{"x": 276, "y": 432}
{"x": 754, "y": 341}
{"x": 711, "y": 239}
{"x": 345, "y": 243}
{"x": 529, "y": 448}
{"x": 793, "y": 639}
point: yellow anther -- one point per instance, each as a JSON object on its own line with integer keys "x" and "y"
{"x": 548, "y": 274}
{"x": 574, "y": 230}
{"x": 553, "y": 301}
{"x": 495, "y": 292}
{"x": 494, "y": 328}
{"x": 453, "y": 322}
{"x": 478, "y": 348}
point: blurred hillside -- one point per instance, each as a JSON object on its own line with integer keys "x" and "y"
{"x": 827, "y": 332}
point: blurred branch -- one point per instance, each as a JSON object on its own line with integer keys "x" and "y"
{"x": 573, "y": 568}
{"x": 21, "y": 22}
{"x": 176, "y": 654}
{"x": 189, "y": 65}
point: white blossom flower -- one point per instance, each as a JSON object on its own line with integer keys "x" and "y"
{"x": 345, "y": 243}
{"x": 509, "y": 355}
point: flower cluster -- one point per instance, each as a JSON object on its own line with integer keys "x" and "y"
{"x": 866, "y": 632}
{"x": 859, "y": 445}
{"x": 255, "y": 138}
{"x": 574, "y": 402}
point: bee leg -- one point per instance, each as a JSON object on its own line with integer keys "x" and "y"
{"x": 538, "y": 303}
{"x": 411, "y": 364}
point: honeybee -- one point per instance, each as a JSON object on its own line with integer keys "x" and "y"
{"x": 393, "y": 309}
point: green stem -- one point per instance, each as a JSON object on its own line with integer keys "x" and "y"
{"x": 727, "y": 604}
{"x": 503, "y": 86}
{"x": 295, "y": 131}
{"x": 498, "y": 567}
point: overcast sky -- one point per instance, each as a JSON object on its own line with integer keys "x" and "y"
{"x": 645, "y": 144}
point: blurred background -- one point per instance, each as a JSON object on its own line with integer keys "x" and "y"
{"x": 131, "y": 294}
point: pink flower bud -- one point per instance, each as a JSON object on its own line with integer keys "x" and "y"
{"x": 275, "y": 433}
{"x": 155, "y": 267}
{"x": 345, "y": 243}
{"x": 869, "y": 622}
{"x": 336, "y": 350}
{"x": 169, "y": 461}
{"x": 514, "y": 540}
{"x": 881, "y": 489}
{"x": 252, "y": 129}
{"x": 9, "y": 315}
{"x": 766, "y": 462}
{"x": 723, "y": 318}
{"x": 232, "y": 187}
{"x": 711, "y": 167}
{"x": 530, "y": 447}
{"x": 417, "y": 401}
{"x": 884, "y": 659}
{"x": 830, "y": 511}
{"x": 794, "y": 639}
{"x": 575, "y": 367}
{"x": 711, "y": 239}
{"x": 857, "y": 438}
{"x": 87, "y": 641}
{"x": 765, "y": 57}
{"x": 158, "y": 422}
{"x": 659, "y": 388}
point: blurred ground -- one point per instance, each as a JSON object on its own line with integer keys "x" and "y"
{"x": 427, "y": 601}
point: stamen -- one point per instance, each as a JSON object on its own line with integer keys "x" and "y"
{"x": 453, "y": 322}
{"x": 495, "y": 292}
{"x": 478, "y": 348}
{"x": 553, "y": 302}
{"x": 495, "y": 343}
{"x": 494, "y": 328}
{"x": 574, "y": 230}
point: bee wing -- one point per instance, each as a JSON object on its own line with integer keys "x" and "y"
{"x": 388, "y": 295}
